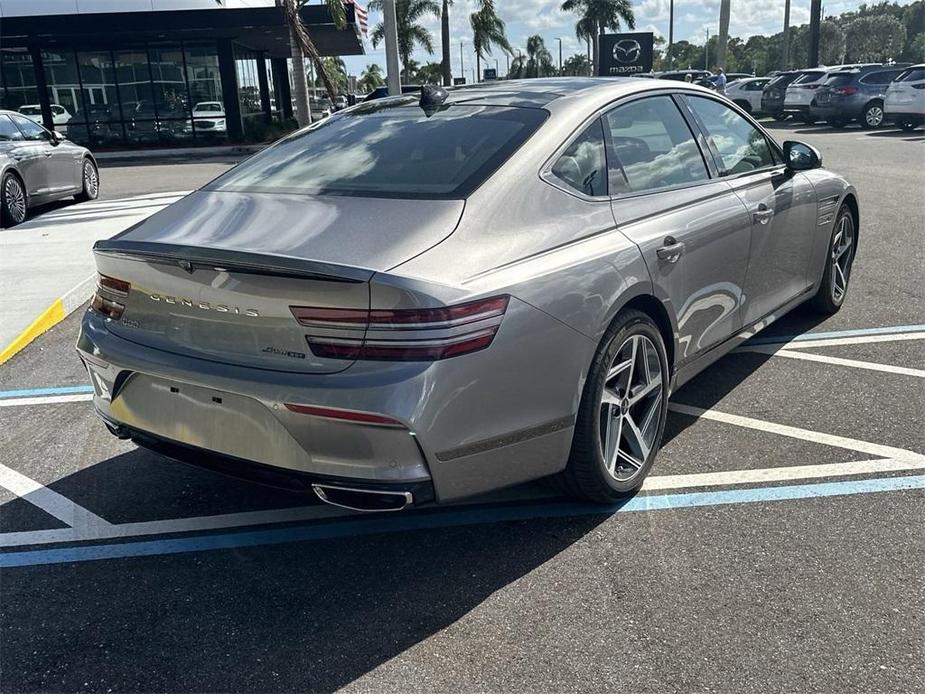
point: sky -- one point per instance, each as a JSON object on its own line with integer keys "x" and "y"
{"x": 524, "y": 18}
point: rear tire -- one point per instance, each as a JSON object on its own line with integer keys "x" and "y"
{"x": 622, "y": 413}
{"x": 90, "y": 176}
{"x": 838, "y": 262}
{"x": 13, "y": 201}
{"x": 872, "y": 118}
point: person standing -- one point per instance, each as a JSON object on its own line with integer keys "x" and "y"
{"x": 720, "y": 81}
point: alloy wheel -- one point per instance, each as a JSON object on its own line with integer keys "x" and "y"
{"x": 842, "y": 245}
{"x": 91, "y": 180}
{"x": 631, "y": 406}
{"x": 873, "y": 116}
{"x": 15, "y": 199}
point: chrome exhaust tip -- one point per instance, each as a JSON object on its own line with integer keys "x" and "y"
{"x": 366, "y": 500}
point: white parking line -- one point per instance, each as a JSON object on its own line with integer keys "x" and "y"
{"x": 840, "y": 341}
{"x": 866, "y": 447}
{"x": 45, "y": 400}
{"x": 50, "y": 501}
{"x": 836, "y": 361}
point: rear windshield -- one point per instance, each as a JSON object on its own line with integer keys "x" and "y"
{"x": 915, "y": 74}
{"x": 840, "y": 80}
{"x": 808, "y": 78}
{"x": 782, "y": 80}
{"x": 390, "y": 150}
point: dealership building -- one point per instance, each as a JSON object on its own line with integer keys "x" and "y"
{"x": 124, "y": 73}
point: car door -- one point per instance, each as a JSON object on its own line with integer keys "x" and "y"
{"x": 693, "y": 231}
{"x": 56, "y": 161}
{"x": 781, "y": 205}
{"x": 29, "y": 155}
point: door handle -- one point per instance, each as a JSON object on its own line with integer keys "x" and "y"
{"x": 49, "y": 153}
{"x": 762, "y": 214}
{"x": 672, "y": 250}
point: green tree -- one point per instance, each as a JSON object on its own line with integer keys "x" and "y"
{"x": 538, "y": 60}
{"x": 411, "y": 34}
{"x": 337, "y": 72}
{"x": 832, "y": 43}
{"x": 487, "y": 30}
{"x": 577, "y": 66}
{"x": 874, "y": 39}
{"x": 429, "y": 73}
{"x": 371, "y": 78}
{"x": 597, "y": 16}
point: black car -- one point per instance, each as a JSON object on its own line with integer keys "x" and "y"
{"x": 382, "y": 92}
{"x": 854, "y": 95}
{"x": 772, "y": 97}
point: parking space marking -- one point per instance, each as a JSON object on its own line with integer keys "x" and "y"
{"x": 840, "y": 341}
{"x": 865, "y": 447}
{"x": 837, "y": 361}
{"x": 49, "y": 501}
{"x": 33, "y": 392}
{"x": 447, "y": 518}
{"x": 47, "y": 400}
{"x": 836, "y": 334}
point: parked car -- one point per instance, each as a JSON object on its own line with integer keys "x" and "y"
{"x": 38, "y": 166}
{"x": 853, "y": 95}
{"x": 747, "y": 92}
{"x": 694, "y": 76}
{"x": 59, "y": 115}
{"x": 772, "y": 96}
{"x": 904, "y": 104}
{"x": 733, "y": 76}
{"x": 209, "y": 117}
{"x": 800, "y": 92}
{"x": 382, "y": 92}
{"x": 431, "y": 297}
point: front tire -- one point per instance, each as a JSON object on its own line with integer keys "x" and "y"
{"x": 622, "y": 413}
{"x": 872, "y": 118}
{"x": 13, "y": 202}
{"x": 840, "y": 257}
{"x": 90, "y": 176}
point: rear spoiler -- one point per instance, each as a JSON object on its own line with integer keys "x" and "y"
{"x": 191, "y": 257}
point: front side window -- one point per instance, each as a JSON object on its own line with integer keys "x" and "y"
{"x": 913, "y": 74}
{"x": 583, "y": 166}
{"x": 651, "y": 147}
{"x": 391, "y": 150}
{"x": 741, "y": 147}
{"x": 30, "y": 129}
{"x": 8, "y": 131}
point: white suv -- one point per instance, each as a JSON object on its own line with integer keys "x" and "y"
{"x": 904, "y": 104}
{"x": 746, "y": 93}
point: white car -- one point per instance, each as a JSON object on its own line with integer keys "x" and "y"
{"x": 60, "y": 115}
{"x": 800, "y": 93}
{"x": 746, "y": 93}
{"x": 209, "y": 116}
{"x": 904, "y": 104}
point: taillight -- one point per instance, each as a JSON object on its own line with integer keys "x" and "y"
{"x": 425, "y": 334}
{"x": 345, "y": 415}
{"x": 107, "y": 288}
{"x": 846, "y": 91}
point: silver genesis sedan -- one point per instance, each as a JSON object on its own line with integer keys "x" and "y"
{"x": 39, "y": 166}
{"x": 426, "y": 297}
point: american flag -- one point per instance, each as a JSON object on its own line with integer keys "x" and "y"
{"x": 361, "y": 14}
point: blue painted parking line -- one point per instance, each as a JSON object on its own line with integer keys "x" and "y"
{"x": 455, "y": 517}
{"x": 860, "y": 332}
{"x": 36, "y": 392}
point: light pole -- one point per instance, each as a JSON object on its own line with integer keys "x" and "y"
{"x": 389, "y": 25}
{"x": 462, "y": 65}
{"x": 560, "y": 54}
{"x": 706, "y": 51}
{"x": 671, "y": 30}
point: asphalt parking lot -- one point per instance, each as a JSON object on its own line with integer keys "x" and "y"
{"x": 778, "y": 545}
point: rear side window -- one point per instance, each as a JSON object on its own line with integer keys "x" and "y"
{"x": 8, "y": 131}
{"x": 583, "y": 166}
{"x": 915, "y": 74}
{"x": 393, "y": 149}
{"x": 809, "y": 78}
{"x": 651, "y": 147}
{"x": 740, "y": 145}
{"x": 782, "y": 80}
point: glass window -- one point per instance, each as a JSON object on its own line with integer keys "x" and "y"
{"x": 31, "y": 130}
{"x": 252, "y": 114}
{"x": 136, "y": 95}
{"x": 652, "y": 147}
{"x": 8, "y": 131}
{"x": 914, "y": 74}
{"x": 100, "y": 113}
{"x": 18, "y": 78}
{"x": 171, "y": 100}
{"x": 394, "y": 150}
{"x": 63, "y": 89}
{"x": 740, "y": 145}
{"x": 840, "y": 80}
{"x": 205, "y": 87}
{"x": 809, "y": 77}
{"x": 884, "y": 77}
{"x": 583, "y": 166}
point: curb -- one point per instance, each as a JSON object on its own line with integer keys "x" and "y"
{"x": 60, "y": 309}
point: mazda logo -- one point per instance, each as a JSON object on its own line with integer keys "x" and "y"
{"x": 626, "y": 51}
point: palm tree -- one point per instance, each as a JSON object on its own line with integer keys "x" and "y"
{"x": 518, "y": 68}
{"x": 487, "y": 29}
{"x": 337, "y": 71}
{"x": 301, "y": 46}
{"x": 371, "y": 78}
{"x": 539, "y": 59}
{"x": 597, "y": 16}
{"x": 410, "y": 33}
{"x": 429, "y": 73}
{"x": 577, "y": 65}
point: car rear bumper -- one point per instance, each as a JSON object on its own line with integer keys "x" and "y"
{"x": 802, "y": 109}
{"x": 466, "y": 425}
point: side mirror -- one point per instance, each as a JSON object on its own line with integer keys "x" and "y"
{"x": 57, "y": 138}
{"x": 799, "y": 156}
